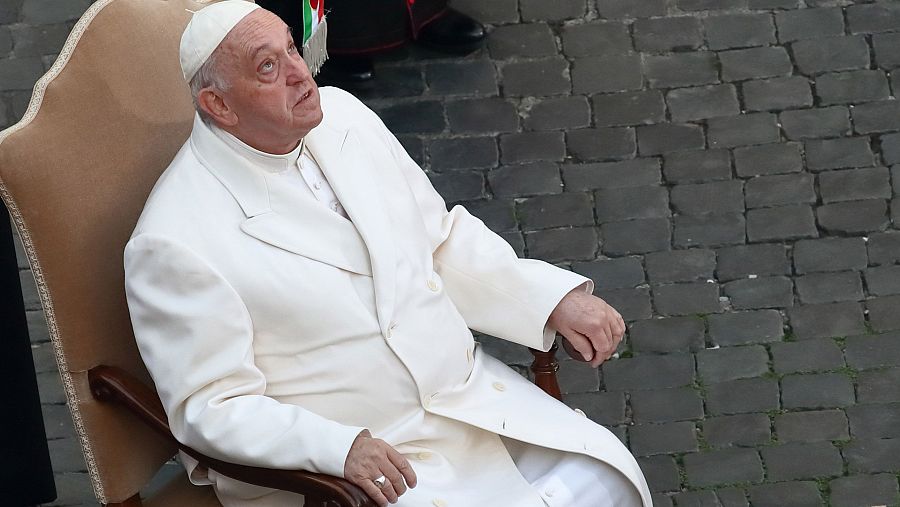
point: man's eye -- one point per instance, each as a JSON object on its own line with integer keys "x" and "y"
{"x": 267, "y": 66}
{"x": 292, "y": 48}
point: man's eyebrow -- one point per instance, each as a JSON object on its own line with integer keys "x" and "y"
{"x": 256, "y": 51}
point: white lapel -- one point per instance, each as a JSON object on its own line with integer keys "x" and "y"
{"x": 351, "y": 174}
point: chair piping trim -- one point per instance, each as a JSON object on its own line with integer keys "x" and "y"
{"x": 34, "y": 105}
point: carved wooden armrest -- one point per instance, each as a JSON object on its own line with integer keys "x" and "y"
{"x": 110, "y": 384}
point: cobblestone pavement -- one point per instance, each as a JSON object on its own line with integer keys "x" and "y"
{"x": 723, "y": 169}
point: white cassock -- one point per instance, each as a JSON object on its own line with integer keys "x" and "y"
{"x": 284, "y": 303}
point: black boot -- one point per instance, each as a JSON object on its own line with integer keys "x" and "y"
{"x": 452, "y": 32}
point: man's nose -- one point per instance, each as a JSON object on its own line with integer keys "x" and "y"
{"x": 298, "y": 71}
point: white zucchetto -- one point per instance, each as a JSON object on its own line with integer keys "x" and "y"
{"x": 206, "y": 30}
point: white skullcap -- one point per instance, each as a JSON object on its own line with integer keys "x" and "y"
{"x": 206, "y": 30}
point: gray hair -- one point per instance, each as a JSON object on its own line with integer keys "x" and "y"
{"x": 208, "y": 75}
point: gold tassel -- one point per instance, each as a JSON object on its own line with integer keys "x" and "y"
{"x": 315, "y": 51}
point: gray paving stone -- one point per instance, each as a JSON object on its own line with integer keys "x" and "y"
{"x": 624, "y": 272}
{"x": 629, "y": 108}
{"x": 609, "y": 73}
{"x": 577, "y": 377}
{"x": 20, "y": 73}
{"x": 671, "y": 334}
{"x": 666, "y": 405}
{"x": 870, "y": 456}
{"x": 739, "y": 30}
{"x": 742, "y": 396}
{"x": 829, "y": 254}
{"x": 731, "y": 363}
{"x": 530, "y": 146}
{"x": 398, "y": 81}
{"x": 768, "y": 159}
{"x": 74, "y": 489}
{"x": 560, "y": 210}
{"x": 780, "y": 223}
{"x": 830, "y": 54}
{"x": 37, "y": 326}
{"x": 496, "y": 11}
{"x": 525, "y": 179}
{"x": 883, "y": 280}
{"x": 709, "y": 5}
{"x": 795, "y": 494}
{"x": 812, "y": 123}
{"x": 44, "y": 357}
{"x": 777, "y": 93}
{"x": 879, "y": 386}
{"x": 725, "y": 466}
{"x": 614, "y": 205}
{"x": 853, "y": 86}
{"x": 802, "y": 461}
{"x": 9, "y": 12}
{"x": 594, "y": 39}
{"x": 875, "y": 421}
{"x": 661, "y": 473}
{"x": 780, "y": 190}
{"x": 668, "y": 137}
{"x": 29, "y": 41}
{"x": 627, "y": 173}
{"x": 876, "y": 117}
{"x": 812, "y": 426}
{"x": 680, "y": 265}
{"x": 42, "y": 12}
{"x": 881, "y": 17}
{"x": 661, "y": 500}
{"x": 829, "y": 287}
{"x": 853, "y": 217}
{"x": 668, "y": 438}
{"x": 879, "y": 489}
{"x": 459, "y": 186}
{"x": 687, "y": 298}
{"x": 412, "y": 117}
{"x": 883, "y": 315}
{"x": 58, "y": 422}
{"x": 630, "y": 8}
{"x": 636, "y": 236}
{"x": 555, "y": 245}
{"x": 648, "y": 372}
{"x": 667, "y": 34}
{"x": 497, "y": 214}
{"x": 745, "y": 260}
{"x": 414, "y": 147}
{"x": 873, "y": 351}
{"x": 697, "y": 166}
{"x": 67, "y": 456}
{"x": 633, "y": 304}
{"x": 755, "y": 63}
{"x": 817, "y": 354}
{"x": 740, "y": 328}
{"x": 522, "y": 40}
{"x": 559, "y": 113}
{"x": 742, "y": 430}
{"x": 546, "y": 76}
{"x": 463, "y": 153}
{"x": 465, "y": 77}
{"x": 703, "y": 498}
{"x": 602, "y": 408}
{"x": 536, "y": 10}
{"x": 681, "y": 69}
{"x": 884, "y": 248}
{"x": 887, "y": 50}
{"x": 839, "y": 153}
{"x": 688, "y": 104}
{"x": 821, "y": 390}
{"x": 827, "y": 320}
{"x": 746, "y": 129}
{"x": 601, "y": 143}
{"x": 709, "y": 230}
{"x": 715, "y": 197}
{"x": 515, "y": 240}
{"x": 809, "y": 24}
{"x": 732, "y": 497}
{"x": 761, "y": 292}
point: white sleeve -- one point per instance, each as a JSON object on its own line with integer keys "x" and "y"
{"x": 195, "y": 336}
{"x": 496, "y": 292}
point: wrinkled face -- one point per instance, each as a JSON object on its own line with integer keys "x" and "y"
{"x": 271, "y": 93}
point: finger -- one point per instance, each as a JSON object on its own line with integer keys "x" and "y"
{"x": 394, "y": 487}
{"x": 581, "y": 343}
{"x": 402, "y": 464}
{"x": 604, "y": 345}
{"x": 373, "y": 491}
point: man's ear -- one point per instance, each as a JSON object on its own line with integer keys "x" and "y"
{"x": 213, "y": 104}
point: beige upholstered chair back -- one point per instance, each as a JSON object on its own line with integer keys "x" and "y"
{"x": 102, "y": 124}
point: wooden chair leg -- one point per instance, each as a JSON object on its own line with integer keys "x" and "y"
{"x": 134, "y": 501}
{"x": 544, "y": 368}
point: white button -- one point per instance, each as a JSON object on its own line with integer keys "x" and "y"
{"x": 469, "y": 354}
{"x": 432, "y": 285}
{"x": 391, "y": 328}
{"x": 427, "y": 401}
{"x": 422, "y": 456}
{"x": 549, "y": 493}
{"x": 499, "y": 386}
{"x": 437, "y": 502}
{"x": 317, "y": 185}
{"x": 580, "y": 412}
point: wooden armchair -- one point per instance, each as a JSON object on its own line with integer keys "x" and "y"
{"x": 101, "y": 126}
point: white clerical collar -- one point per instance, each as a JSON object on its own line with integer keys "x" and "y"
{"x": 267, "y": 161}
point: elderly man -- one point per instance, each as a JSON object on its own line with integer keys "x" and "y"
{"x": 303, "y": 300}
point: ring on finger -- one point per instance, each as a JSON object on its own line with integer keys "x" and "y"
{"x": 380, "y": 482}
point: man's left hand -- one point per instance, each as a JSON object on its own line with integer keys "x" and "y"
{"x": 592, "y": 327}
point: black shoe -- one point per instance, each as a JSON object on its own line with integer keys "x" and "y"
{"x": 348, "y": 69}
{"x": 452, "y": 32}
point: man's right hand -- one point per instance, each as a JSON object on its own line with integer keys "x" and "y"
{"x": 370, "y": 458}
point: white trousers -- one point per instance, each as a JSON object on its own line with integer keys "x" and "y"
{"x": 572, "y": 480}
